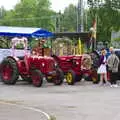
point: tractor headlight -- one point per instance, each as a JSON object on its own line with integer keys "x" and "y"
{"x": 56, "y": 64}
{"x": 43, "y": 64}
{"x": 77, "y": 63}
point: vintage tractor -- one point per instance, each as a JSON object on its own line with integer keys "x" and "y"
{"x": 75, "y": 63}
{"x": 75, "y": 67}
{"x": 31, "y": 67}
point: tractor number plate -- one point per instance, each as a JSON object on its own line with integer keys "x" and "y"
{"x": 49, "y": 77}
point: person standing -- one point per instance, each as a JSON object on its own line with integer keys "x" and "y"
{"x": 113, "y": 62}
{"x": 102, "y": 69}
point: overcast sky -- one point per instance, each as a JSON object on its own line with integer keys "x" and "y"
{"x": 56, "y": 4}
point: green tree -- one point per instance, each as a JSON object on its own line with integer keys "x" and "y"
{"x": 107, "y": 12}
{"x": 28, "y": 13}
{"x": 33, "y": 13}
{"x": 69, "y": 18}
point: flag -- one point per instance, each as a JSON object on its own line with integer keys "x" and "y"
{"x": 79, "y": 47}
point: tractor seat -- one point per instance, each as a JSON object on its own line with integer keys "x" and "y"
{"x": 21, "y": 57}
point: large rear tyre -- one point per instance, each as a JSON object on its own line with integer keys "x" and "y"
{"x": 59, "y": 77}
{"x": 70, "y": 77}
{"x": 9, "y": 71}
{"x": 37, "y": 78}
{"x": 94, "y": 76}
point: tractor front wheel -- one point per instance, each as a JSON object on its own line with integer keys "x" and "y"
{"x": 49, "y": 79}
{"x": 58, "y": 80}
{"x": 70, "y": 77}
{"x": 9, "y": 71}
{"x": 37, "y": 78}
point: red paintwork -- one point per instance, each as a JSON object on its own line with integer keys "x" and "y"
{"x": 47, "y": 64}
{"x": 72, "y": 62}
{"x": 64, "y": 62}
{"x": 7, "y": 73}
{"x": 44, "y": 64}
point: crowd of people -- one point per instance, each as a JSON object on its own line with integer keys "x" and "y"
{"x": 108, "y": 67}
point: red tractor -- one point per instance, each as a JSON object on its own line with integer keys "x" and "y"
{"x": 30, "y": 67}
{"x": 72, "y": 59}
{"x": 75, "y": 67}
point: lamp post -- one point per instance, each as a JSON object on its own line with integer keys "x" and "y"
{"x": 80, "y": 13}
{"x": 1, "y": 12}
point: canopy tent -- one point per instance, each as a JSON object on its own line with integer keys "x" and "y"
{"x": 24, "y": 32}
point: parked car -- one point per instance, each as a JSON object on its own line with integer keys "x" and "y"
{"x": 117, "y": 52}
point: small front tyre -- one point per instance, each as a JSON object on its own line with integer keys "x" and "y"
{"x": 37, "y": 78}
{"x": 70, "y": 77}
{"x": 58, "y": 80}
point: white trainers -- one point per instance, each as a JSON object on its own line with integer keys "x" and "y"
{"x": 114, "y": 85}
{"x": 111, "y": 85}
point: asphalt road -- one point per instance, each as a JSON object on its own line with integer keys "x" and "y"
{"x": 83, "y": 101}
{"x": 9, "y": 111}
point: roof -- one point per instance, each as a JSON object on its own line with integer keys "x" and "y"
{"x": 85, "y": 36}
{"x": 24, "y": 31}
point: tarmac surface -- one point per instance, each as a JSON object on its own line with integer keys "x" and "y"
{"x": 83, "y": 101}
{"x": 9, "y": 111}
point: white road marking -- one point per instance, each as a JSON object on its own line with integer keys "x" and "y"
{"x": 29, "y": 108}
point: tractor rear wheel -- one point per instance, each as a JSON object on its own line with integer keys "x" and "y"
{"x": 70, "y": 77}
{"x": 94, "y": 76}
{"x": 37, "y": 78}
{"x": 58, "y": 80}
{"x": 9, "y": 71}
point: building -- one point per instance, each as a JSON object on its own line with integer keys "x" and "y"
{"x": 115, "y": 39}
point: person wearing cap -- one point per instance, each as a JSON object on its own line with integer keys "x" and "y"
{"x": 113, "y": 62}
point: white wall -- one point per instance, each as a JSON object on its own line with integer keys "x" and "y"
{"x": 8, "y": 52}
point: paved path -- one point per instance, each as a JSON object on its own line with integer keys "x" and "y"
{"x": 10, "y": 111}
{"x": 84, "y": 101}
